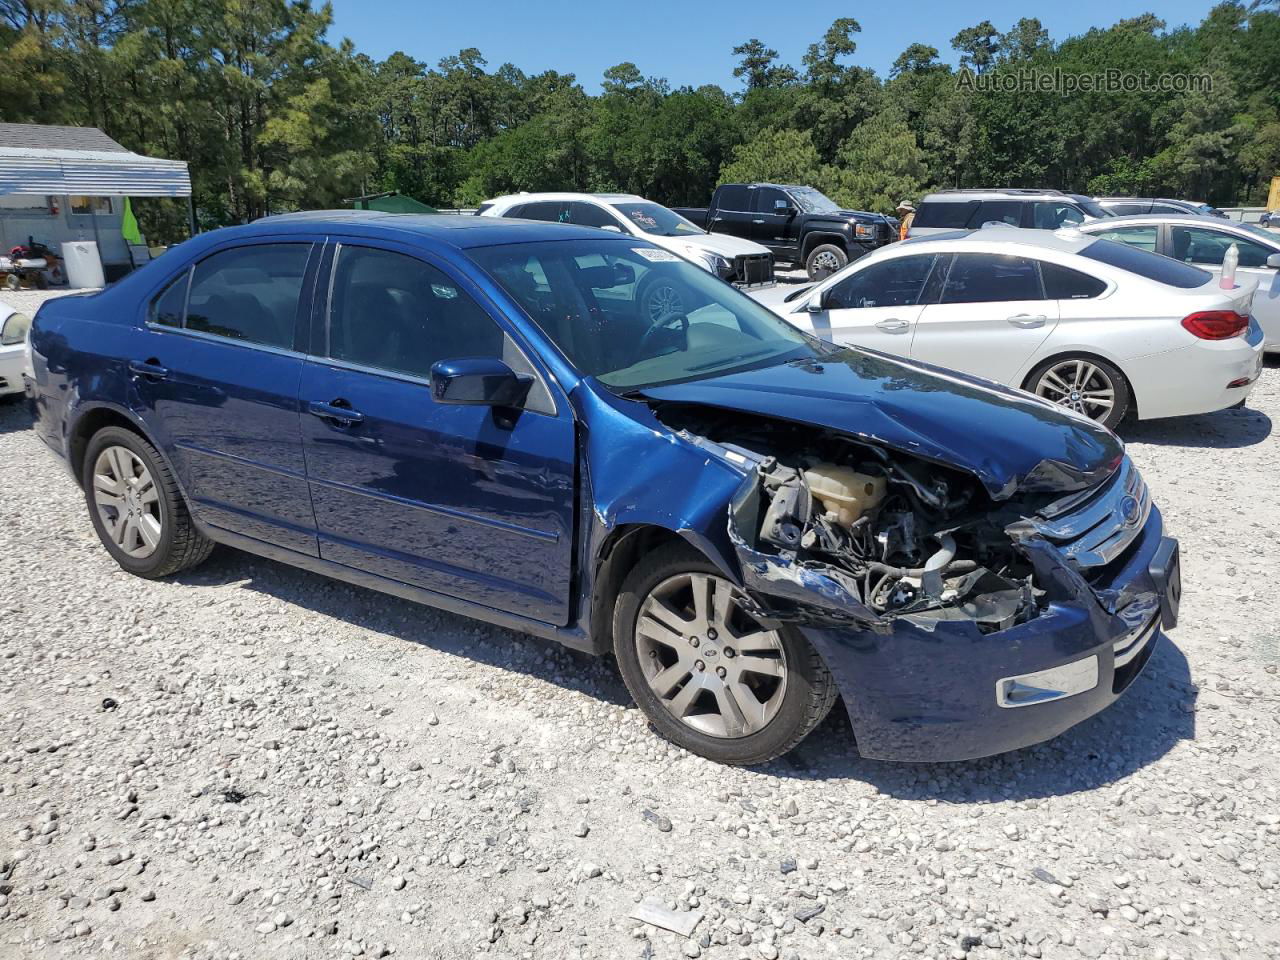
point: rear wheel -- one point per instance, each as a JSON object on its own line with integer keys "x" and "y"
{"x": 824, "y": 260}
{"x": 1086, "y": 385}
{"x": 136, "y": 508}
{"x": 706, "y": 672}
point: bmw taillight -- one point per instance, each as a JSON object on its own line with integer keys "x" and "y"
{"x": 1216, "y": 324}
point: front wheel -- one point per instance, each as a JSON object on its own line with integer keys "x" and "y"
{"x": 824, "y": 260}
{"x": 710, "y": 676}
{"x": 1086, "y": 385}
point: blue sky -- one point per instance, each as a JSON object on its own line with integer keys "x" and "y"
{"x": 689, "y": 41}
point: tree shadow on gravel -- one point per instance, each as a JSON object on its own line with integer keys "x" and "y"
{"x": 414, "y": 623}
{"x": 1225, "y": 429}
{"x": 1154, "y": 714}
{"x": 14, "y": 415}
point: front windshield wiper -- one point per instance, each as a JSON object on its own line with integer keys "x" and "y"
{"x": 726, "y": 360}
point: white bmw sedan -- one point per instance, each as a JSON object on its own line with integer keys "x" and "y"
{"x": 13, "y": 344}
{"x": 1099, "y": 327}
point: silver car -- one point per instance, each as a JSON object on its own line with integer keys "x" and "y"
{"x": 1203, "y": 242}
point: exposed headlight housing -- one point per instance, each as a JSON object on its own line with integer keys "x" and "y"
{"x": 864, "y": 231}
{"x": 14, "y": 330}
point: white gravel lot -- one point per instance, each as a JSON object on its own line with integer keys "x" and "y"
{"x": 251, "y": 761}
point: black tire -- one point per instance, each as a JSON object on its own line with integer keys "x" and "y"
{"x": 1121, "y": 395}
{"x": 805, "y": 700}
{"x": 181, "y": 545}
{"x": 824, "y": 260}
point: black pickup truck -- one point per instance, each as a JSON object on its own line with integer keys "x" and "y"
{"x": 799, "y": 225}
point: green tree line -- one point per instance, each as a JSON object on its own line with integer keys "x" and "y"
{"x": 272, "y": 115}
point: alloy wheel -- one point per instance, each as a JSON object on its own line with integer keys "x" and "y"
{"x": 127, "y": 501}
{"x": 712, "y": 666}
{"x": 1080, "y": 386}
{"x": 826, "y": 263}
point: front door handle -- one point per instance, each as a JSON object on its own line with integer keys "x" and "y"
{"x": 1027, "y": 320}
{"x": 150, "y": 369}
{"x": 894, "y": 326}
{"x": 757, "y": 221}
{"x": 339, "y": 411}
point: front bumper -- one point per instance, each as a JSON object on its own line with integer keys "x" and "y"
{"x": 940, "y": 690}
{"x": 10, "y": 370}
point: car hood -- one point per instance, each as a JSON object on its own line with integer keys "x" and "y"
{"x": 720, "y": 243}
{"x": 1011, "y": 441}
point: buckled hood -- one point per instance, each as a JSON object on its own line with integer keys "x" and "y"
{"x": 1012, "y": 442}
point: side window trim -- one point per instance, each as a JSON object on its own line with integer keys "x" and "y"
{"x": 324, "y": 306}
{"x": 302, "y": 312}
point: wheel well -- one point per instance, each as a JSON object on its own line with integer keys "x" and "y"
{"x": 87, "y": 426}
{"x": 817, "y": 239}
{"x": 621, "y": 551}
{"x": 1133, "y": 396}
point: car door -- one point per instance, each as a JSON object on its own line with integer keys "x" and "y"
{"x": 1205, "y": 247}
{"x": 215, "y": 380}
{"x": 772, "y": 214}
{"x": 991, "y": 316}
{"x": 585, "y": 214}
{"x": 466, "y": 501}
{"x": 875, "y": 306}
{"x": 732, "y": 213}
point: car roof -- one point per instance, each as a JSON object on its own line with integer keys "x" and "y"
{"x": 562, "y": 195}
{"x": 449, "y": 229}
{"x": 1139, "y": 219}
{"x": 995, "y": 193}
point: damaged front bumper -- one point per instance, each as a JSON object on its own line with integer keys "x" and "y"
{"x": 932, "y": 690}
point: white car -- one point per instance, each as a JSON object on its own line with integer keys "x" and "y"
{"x": 1099, "y": 327}
{"x": 733, "y": 259}
{"x": 13, "y": 348}
{"x": 1204, "y": 242}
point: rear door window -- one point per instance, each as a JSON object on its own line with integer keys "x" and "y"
{"x": 1144, "y": 238}
{"x": 552, "y": 211}
{"x": 991, "y": 278}
{"x": 945, "y": 214}
{"x": 249, "y": 293}
{"x": 733, "y": 198}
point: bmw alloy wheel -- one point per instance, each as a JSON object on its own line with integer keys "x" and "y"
{"x": 713, "y": 667}
{"x": 1080, "y": 386}
{"x": 127, "y": 501}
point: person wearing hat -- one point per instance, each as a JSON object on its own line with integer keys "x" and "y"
{"x": 906, "y": 214}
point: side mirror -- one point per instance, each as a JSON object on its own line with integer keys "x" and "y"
{"x": 624, "y": 274}
{"x": 478, "y": 381}
{"x": 783, "y": 207}
{"x": 816, "y": 302}
{"x": 1273, "y": 261}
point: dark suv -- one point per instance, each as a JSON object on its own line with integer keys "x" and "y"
{"x": 1033, "y": 209}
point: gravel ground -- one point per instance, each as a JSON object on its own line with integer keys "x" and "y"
{"x": 252, "y": 761}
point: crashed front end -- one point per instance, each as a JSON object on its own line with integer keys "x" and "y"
{"x": 957, "y": 624}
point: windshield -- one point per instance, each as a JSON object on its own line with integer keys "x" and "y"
{"x": 655, "y": 219}
{"x": 812, "y": 201}
{"x": 633, "y": 315}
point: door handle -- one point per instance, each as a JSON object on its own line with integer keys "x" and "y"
{"x": 894, "y": 326}
{"x": 339, "y": 411}
{"x": 150, "y": 369}
{"x": 1028, "y": 321}
{"x": 757, "y": 221}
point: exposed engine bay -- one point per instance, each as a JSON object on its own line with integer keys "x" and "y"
{"x": 873, "y": 533}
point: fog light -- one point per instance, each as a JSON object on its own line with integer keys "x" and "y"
{"x": 1044, "y": 686}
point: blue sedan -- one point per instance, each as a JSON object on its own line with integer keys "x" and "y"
{"x": 476, "y": 414}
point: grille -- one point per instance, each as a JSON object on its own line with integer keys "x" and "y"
{"x": 1098, "y": 532}
{"x": 751, "y": 269}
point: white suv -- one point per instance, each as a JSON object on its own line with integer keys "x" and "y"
{"x": 733, "y": 259}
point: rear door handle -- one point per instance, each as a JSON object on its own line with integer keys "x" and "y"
{"x": 1027, "y": 320}
{"x": 335, "y": 411}
{"x": 894, "y": 326}
{"x": 150, "y": 369}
